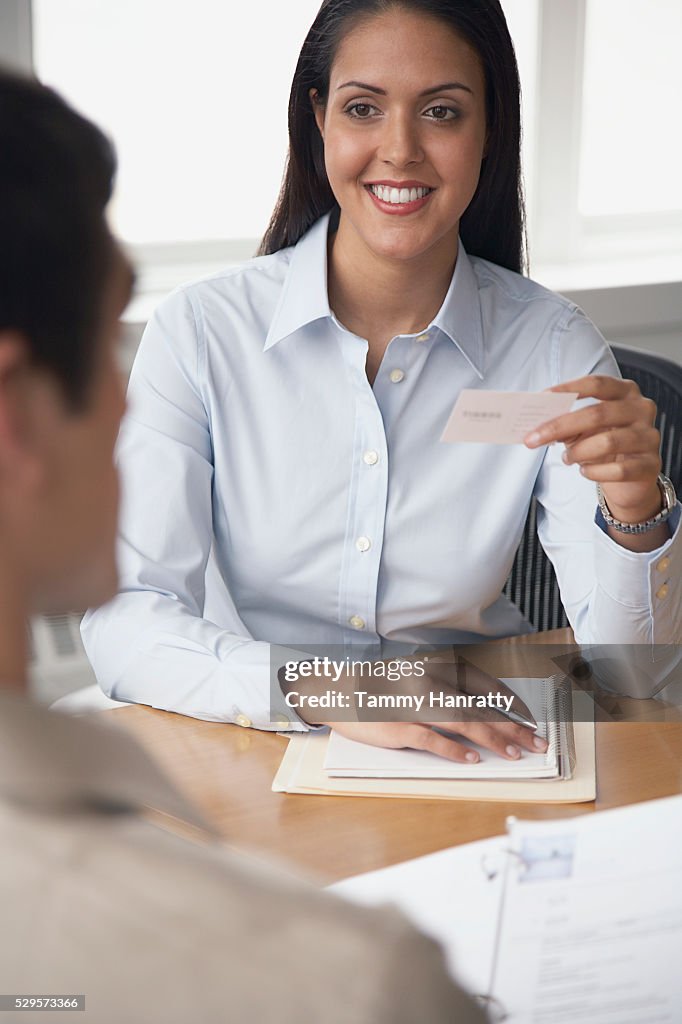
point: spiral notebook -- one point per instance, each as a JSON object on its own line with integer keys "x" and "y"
{"x": 572, "y": 919}
{"x": 550, "y": 702}
{"x": 566, "y": 775}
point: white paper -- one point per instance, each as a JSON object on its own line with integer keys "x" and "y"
{"x": 592, "y": 919}
{"x": 590, "y": 910}
{"x": 503, "y": 417}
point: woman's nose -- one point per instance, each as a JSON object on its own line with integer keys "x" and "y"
{"x": 400, "y": 144}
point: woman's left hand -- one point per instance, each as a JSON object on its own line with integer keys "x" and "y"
{"x": 614, "y": 442}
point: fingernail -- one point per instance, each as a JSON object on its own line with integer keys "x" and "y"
{"x": 539, "y": 743}
{"x": 566, "y": 458}
{"x": 513, "y": 751}
{"x": 533, "y": 438}
{"x": 472, "y": 756}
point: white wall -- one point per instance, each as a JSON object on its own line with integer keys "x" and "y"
{"x": 645, "y": 316}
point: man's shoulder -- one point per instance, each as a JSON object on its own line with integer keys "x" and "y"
{"x": 177, "y": 910}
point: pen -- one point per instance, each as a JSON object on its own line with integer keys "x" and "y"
{"x": 520, "y": 719}
{"x": 522, "y": 716}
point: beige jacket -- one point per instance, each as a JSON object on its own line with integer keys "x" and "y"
{"x": 154, "y": 928}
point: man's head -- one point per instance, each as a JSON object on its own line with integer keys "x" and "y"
{"x": 63, "y": 286}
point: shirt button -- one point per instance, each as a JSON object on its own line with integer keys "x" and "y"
{"x": 363, "y": 543}
{"x": 397, "y": 376}
{"x": 662, "y": 592}
{"x": 663, "y": 565}
{"x": 356, "y": 622}
{"x": 281, "y": 721}
{"x": 244, "y": 721}
{"x": 422, "y": 337}
{"x": 370, "y": 458}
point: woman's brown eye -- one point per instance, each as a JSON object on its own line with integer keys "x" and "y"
{"x": 442, "y": 113}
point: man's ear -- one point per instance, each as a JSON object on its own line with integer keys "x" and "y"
{"x": 18, "y": 458}
{"x": 318, "y": 110}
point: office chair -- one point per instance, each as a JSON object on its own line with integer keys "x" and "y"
{"x": 532, "y": 584}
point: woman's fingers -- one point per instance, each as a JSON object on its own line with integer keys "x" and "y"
{"x": 630, "y": 469}
{"x": 613, "y": 441}
{"x": 504, "y": 738}
{"x": 608, "y": 446}
{"x": 594, "y": 419}
{"x": 620, "y": 405}
{"x": 599, "y": 385}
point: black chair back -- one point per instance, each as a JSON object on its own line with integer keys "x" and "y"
{"x": 532, "y": 583}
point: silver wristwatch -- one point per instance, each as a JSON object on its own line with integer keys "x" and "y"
{"x": 669, "y": 501}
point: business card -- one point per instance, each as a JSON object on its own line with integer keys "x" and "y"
{"x": 503, "y": 417}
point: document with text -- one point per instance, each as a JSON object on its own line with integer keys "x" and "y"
{"x": 591, "y": 918}
{"x": 576, "y": 919}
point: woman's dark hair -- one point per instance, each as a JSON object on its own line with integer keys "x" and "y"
{"x": 493, "y": 225}
{"x": 56, "y": 252}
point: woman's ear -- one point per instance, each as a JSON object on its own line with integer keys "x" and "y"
{"x": 318, "y": 110}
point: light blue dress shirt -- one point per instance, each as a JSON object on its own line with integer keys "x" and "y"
{"x": 330, "y": 509}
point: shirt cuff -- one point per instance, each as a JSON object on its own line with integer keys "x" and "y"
{"x": 257, "y": 700}
{"x": 644, "y": 579}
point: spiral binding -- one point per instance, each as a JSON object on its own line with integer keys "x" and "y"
{"x": 561, "y": 689}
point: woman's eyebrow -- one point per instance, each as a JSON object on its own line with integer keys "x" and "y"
{"x": 427, "y": 92}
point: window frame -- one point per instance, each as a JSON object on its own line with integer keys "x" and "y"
{"x": 16, "y": 35}
{"x": 561, "y": 233}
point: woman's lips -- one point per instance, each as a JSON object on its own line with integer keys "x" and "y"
{"x": 398, "y": 209}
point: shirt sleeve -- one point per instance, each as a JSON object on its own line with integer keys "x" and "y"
{"x": 151, "y": 644}
{"x": 611, "y": 595}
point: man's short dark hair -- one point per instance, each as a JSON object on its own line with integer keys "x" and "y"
{"x": 56, "y": 252}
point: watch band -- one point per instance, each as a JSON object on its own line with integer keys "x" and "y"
{"x": 669, "y": 501}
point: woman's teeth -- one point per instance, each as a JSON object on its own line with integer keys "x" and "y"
{"x": 399, "y": 195}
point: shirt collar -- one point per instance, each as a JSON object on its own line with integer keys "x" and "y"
{"x": 50, "y": 761}
{"x": 460, "y": 315}
{"x": 304, "y": 297}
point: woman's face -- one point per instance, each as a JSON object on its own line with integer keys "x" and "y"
{"x": 404, "y": 132}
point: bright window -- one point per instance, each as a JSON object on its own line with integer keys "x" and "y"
{"x": 194, "y": 96}
{"x": 631, "y": 145}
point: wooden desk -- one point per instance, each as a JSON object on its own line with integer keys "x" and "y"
{"x": 228, "y": 772}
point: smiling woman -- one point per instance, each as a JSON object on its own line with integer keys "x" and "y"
{"x": 375, "y": 138}
{"x": 399, "y": 126}
{"x": 286, "y": 415}
{"x": 481, "y": 105}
